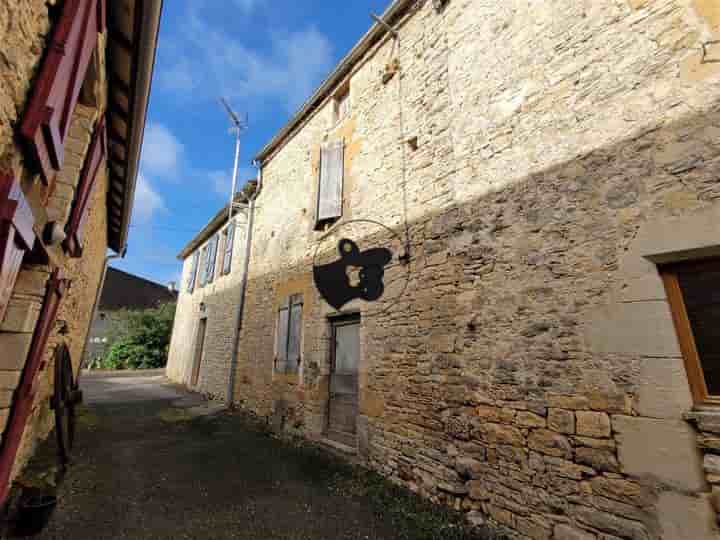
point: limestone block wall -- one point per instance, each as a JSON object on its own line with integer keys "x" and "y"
{"x": 220, "y": 299}
{"x": 530, "y": 373}
{"x": 24, "y": 28}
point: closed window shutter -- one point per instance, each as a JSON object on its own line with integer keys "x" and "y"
{"x": 295, "y": 333}
{"x": 94, "y": 161}
{"x": 281, "y": 338}
{"x": 212, "y": 254}
{"x": 203, "y": 266}
{"x": 330, "y": 189}
{"x": 193, "y": 272}
{"x": 229, "y": 242}
{"x": 46, "y": 121}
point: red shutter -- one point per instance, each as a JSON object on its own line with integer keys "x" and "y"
{"x": 25, "y": 393}
{"x": 47, "y": 116}
{"x": 94, "y": 159}
{"x": 16, "y": 236}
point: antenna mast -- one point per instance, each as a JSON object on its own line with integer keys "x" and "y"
{"x": 238, "y": 126}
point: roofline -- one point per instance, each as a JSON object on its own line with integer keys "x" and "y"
{"x": 140, "y": 278}
{"x": 145, "y": 51}
{"x": 206, "y": 232}
{"x": 371, "y": 37}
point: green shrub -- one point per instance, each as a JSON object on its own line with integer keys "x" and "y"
{"x": 140, "y": 339}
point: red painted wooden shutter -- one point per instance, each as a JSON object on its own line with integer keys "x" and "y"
{"x": 93, "y": 161}
{"x": 16, "y": 236}
{"x": 25, "y": 394}
{"x": 47, "y": 116}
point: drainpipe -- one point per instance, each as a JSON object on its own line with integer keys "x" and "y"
{"x": 243, "y": 287}
{"x": 109, "y": 258}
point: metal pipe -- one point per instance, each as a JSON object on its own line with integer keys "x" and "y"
{"x": 243, "y": 287}
{"x": 231, "y": 206}
{"x": 98, "y": 293}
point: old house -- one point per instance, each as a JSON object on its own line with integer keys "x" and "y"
{"x": 483, "y": 260}
{"x": 75, "y": 83}
{"x": 121, "y": 292}
{"x": 207, "y": 314}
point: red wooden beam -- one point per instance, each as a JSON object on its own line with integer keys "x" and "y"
{"x": 25, "y": 394}
{"x": 46, "y": 120}
{"x": 16, "y": 236}
{"x": 94, "y": 160}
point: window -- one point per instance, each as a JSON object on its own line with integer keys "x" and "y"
{"x": 342, "y": 104}
{"x": 228, "y": 248}
{"x": 203, "y": 266}
{"x": 288, "y": 335}
{"x": 694, "y": 295}
{"x": 47, "y": 116}
{"x": 330, "y": 184}
{"x": 212, "y": 257}
{"x": 193, "y": 272}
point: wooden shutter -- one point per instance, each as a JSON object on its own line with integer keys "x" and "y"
{"x": 281, "y": 338}
{"x": 25, "y": 393}
{"x": 55, "y": 93}
{"x": 330, "y": 189}
{"x": 203, "y": 266}
{"x": 229, "y": 242}
{"x": 295, "y": 333}
{"x": 212, "y": 254}
{"x": 193, "y": 271}
{"x": 94, "y": 160}
{"x": 16, "y": 236}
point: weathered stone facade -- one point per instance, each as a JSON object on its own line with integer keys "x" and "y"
{"x": 73, "y": 192}
{"x": 219, "y": 301}
{"x": 541, "y": 158}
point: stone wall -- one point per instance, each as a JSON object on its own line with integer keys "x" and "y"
{"x": 529, "y": 373}
{"x": 220, "y": 299}
{"x": 24, "y": 27}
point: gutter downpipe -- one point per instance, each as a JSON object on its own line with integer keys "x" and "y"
{"x": 243, "y": 288}
{"x": 108, "y": 258}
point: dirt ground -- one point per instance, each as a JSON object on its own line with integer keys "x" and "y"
{"x": 151, "y": 461}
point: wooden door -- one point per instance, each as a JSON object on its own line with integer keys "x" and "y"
{"x": 343, "y": 403}
{"x": 199, "y": 350}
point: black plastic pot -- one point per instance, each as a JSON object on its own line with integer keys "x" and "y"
{"x": 34, "y": 514}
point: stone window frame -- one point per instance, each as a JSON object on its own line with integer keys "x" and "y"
{"x": 288, "y": 304}
{"x": 683, "y": 326}
{"x": 639, "y": 321}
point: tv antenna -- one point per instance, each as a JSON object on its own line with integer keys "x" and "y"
{"x": 238, "y": 126}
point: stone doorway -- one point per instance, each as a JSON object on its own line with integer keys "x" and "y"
{"x": 344, "y": 388}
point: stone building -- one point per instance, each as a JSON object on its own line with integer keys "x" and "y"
{"x": 121, "y": 292}
{"x": 482, "y": 260}
{"x": 75, "y": 84}
{"x": 206, "y": 314}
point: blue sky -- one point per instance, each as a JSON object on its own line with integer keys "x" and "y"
{"x": 266, "y": 58}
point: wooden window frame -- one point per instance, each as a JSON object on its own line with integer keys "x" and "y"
{"x": 194, "y": 264}
{"x": 212, "y": 258}
{"x": 683, "y": 327}
{"x": 290, "y": 365}
{"x": 322, "y": 221}
{"x": 47, "y": 117}
{"x": 228, "y": 248}
{"x": 94, "y": 161}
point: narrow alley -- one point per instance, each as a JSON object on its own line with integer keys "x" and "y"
{"x": 152, "y": 461}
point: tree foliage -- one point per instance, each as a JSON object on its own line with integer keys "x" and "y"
{"x": 140, "y": 339}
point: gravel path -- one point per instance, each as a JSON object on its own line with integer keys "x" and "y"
{"x": 152, "y": 461}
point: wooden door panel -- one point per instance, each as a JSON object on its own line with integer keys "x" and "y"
{"x": 343, "y": 403}
{"x": 199, "y": 352}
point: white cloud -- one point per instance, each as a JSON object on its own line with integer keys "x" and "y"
{"x": 147, "y": 201}
{"x": 162, "y": 152}
{"x": 207, "y": 62}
